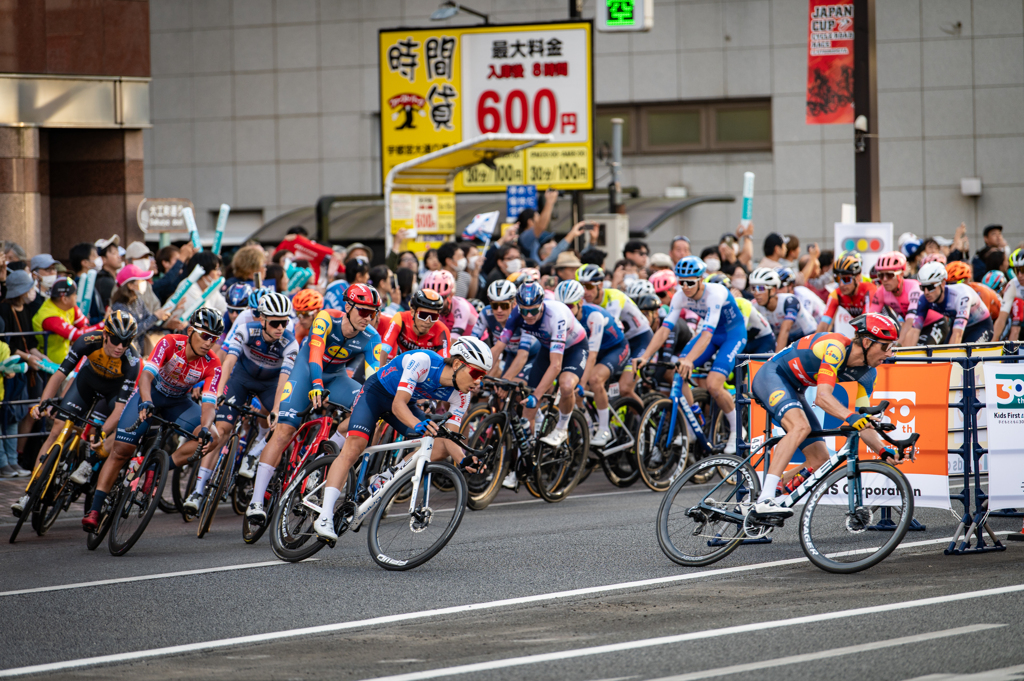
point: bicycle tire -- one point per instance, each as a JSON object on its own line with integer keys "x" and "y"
{"x": 476, "y": 413}
{"x": 94, "y": 539}
{"x": 183, "y": 481}
{"x": 34, "y": 493}
{"x": 241, "y": 490}
{"x": 121, "y": 543}
{"x": 252, "y": 532}
{"x": 677, "y": 522}
{"x": 216, "y": 491}
{"x": 816, "y": 546}
{"x": 559, "y": 470}
{"x": 390, "y": 520}
{"x": 482, "y": 488}
{"x": 621, "y": 468}
{"x": 296, "y": 542}
{"x": 658, "y": 461}
{"x": 46, "y": 501}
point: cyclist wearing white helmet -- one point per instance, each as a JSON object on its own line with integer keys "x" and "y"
{"x": 787, "y": 317}
{"x": 959, "y": 302}
{"x": 491, "y": 322}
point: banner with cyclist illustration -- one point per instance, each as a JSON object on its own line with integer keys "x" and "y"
{"x": 918, "y": 403}
{"x": 830, "y": 62}
{"x": 1004, "y": 412}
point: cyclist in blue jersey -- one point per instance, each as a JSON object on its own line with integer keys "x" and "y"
{"x": 260, "y": 358}
{"x": 237, "y": 299}
{"x": 390, "y": 395}
{"x": 607, "y": 351}
{"x": 337, "y": 341}
{"x": 972, "y": 322}
{"x": 563, "y": 353}
{"x": 722, "y": 334}
{"x": 492, "y": 322}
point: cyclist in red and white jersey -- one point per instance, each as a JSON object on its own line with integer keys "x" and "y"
{"x": 458, "y": 314}
{"x": 1012, "y": 294}
{"x": 854, "y": 294}
{"x": 899, "y": 293}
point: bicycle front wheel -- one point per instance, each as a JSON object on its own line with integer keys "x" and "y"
{"x": 838, "y": 540}
{"x": 37, "y": 489}
{"x": 138, "y": 503}
{"x": 661, "y": 451}
{"x": 620, "y": 465}
{"x": 690, "y": 531}
{"x": 291, "y": 534}
{"x": 483, "y": 487}
{"x": 216, "y": 485}
{"x": 406, "y": 534}
{"x": 559, "y": 469}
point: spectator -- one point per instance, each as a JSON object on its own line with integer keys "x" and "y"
{"x": 660, "y": 261}
{"x": 680, "y": 249}
{"x": 106, "y": 278}
{"x": 406, "y": 281}
{"x": 711, "y": 259}
{"x": 533, "y": 225}
{"x": 593, "y": 256}
{"x": 792, "y": 250}
{"x": 961, "y": 249}
{"x": 298, "y": 229}
{"x": 381, "y": 279}
{"x": 276, "y": 274}
{"x": 453, "y": 259}
{"x": 360, "y": 250}
{"x": 637, "y": 252}
{"x": 247, "y": 262}
{"x": 993, "y": 235}
{"x": 945, "y": 245}
{"x": 430, "y": 262}
{"x": 84, "y": 258}
{"x": 166, "y": 257}
{"x": 624, "y": 273}
{"x": 61, "y": 317}
{"x": 509, "y": 261}
{"x": 139, "y": 255}
{"x": 131, "y": 283}
{"x": 405, "y": 259}
{"x": 996, "y": 259}
{"x": 44, "y": 270}
{"x": 15, "y": 255}
{"x": 566, "y": 265}
{"x": 774, "y": 251}
{"x": 357, "y": 270}
{"x": 211, "y": 264}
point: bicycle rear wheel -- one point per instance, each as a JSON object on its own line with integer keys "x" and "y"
{"x": 404, "y": 535}
{"x": 292, "y": 536}
{"x": 839, "y": 541}
{"x": 620, "y": 466}
{"x": 694, "y": 536}
{"x": 559, "y": 468}
{"x": 216, "y": 485}
{"x": 138, "y": 503}
{"x": 183, "y": 481}
{"x": 483, "y": 487}
{"x": 106, "y": 516}
{"x": 661, "y": 455}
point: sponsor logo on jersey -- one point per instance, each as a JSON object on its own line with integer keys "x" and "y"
{"x": 833, "y": 354}
{"x": 775, "y": 397}
{"x": 320, "y": 326}
{"x": 286, "y": 391}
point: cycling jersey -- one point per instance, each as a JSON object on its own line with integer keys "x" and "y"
{"x": 958, "y": 302}
{"x": 716, "y": 308}
{"x": 810, "y": 301}
{"x": 400, "y": 336}
{"x": 556, "y": 329}
{"x": 175, "y": 376}
{"x": 757, "y": 325}
{"x": 1014, "y": 291}
{"x": 65, "y": 327}
{"x": 903, "y": 303}
{"x": 856, "y": 304}
{"x": 259, "y": 358}
{"x": 788, "y": 309}
{"x": 101, "y": 373}
{"x": 623, "y": 309}
{"x": 460, "y": 318}
{"x": 602, "y": 329}
{"x": 330, "y": 351}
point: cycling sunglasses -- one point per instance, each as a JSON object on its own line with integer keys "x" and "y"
{"x": 1019, "y": 270}
{"x": 664, "y": 294}
{"x": 278, "y": 324}
{"x": 476, "y": 373}
{"x": 118, "y": 342}
{"x": 206, "y": 336}
{"x": 503, "y": 305}
{"x": 308, "y": 313}
{"x": 530, "y": 311}
{"x": 366, "y": 312}
{"x": 929, "y": 287}
{"x": 689, "y": 283}
{"x": 886, "y": 275}
{"x": 427, "y": 316}
{"x": 759, "y": 289}
{"x": 847, "y": 280}
{"x": 590, "y": 286}
{"x": 886, "y": 345}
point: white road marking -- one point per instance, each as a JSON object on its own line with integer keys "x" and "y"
{"x": 574, "y": 496}
{"x": 825, "y": 654}
{"x": 1004, "y": 674}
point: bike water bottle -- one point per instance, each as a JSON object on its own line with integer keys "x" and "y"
{"x": 133, "y": 466}
{"x": 698, "y": 413}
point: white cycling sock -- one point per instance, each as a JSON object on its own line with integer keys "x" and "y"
{"x": 331, "y": 496}
{"x": 602, "y": 419}
{"x": 339, "y": 440}
{"x": 770, "y": 483}
{"x": 264, "y": 473}
{"x": 731, "y": 418}
{"x": 563, "y": 421}
{"x": 201, "y": 478}
{"x": 261, "y": 442}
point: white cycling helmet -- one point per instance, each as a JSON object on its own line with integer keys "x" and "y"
{"x": 275, "y": 305}
{"x": 932, "y": 273}
{"x": 473, "y": 351}
{"x": 500, "y": 290}
{"x": 640, "y": 287}
{"x": 569, "y": 292}
{"x": 764, "y": 276}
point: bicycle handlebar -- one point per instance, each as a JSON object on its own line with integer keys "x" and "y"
{"x": 202, "y": 438}
{"x": 324, "y": 403}
{"x": 242, "y": 408}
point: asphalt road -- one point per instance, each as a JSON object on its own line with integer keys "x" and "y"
{"x": 762, "y": 613}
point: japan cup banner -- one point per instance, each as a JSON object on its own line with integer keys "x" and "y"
{"x": 830, "y": 62}
{"x": 1004, "y": 413}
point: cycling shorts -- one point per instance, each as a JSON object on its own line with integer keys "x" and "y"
{"x": 639, "y": 343}
{"x": 509, "y": 356}
{"x": 778, "y": 396}
{"x": 760, "y": 346}
{"x": 80, "y": 395}
{"x": 295, "y": 396}
{"x": 979, "y": 333}
{"x": 181, "y": 410}
{"x": 240, "y": 386}
{"x": 615, "y": 357}
{"x": 372, "y": 404}
{"x": 724, "y": 347}
{"x": 574, "y": 360}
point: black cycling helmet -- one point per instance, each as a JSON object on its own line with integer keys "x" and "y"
{"x": 207, "y": 319}
{"x": 426, "y": 299}
{"x": 648, "y": 303}
{"x": 121, "y": 326}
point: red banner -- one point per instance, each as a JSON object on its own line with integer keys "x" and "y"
{"x": 830, "y": 62}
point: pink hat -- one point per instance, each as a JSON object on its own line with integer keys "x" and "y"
{"x": 131, "y": 273}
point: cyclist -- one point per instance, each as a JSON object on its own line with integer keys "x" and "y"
{"x": 108, "y": 374}
{"x": 900, "y": 295}
{"x": 640, "y": 287}
{"x": 821, "y": 360}
{"x": 637, "y": 329}
{"x": 178, "y": 364}
{"x": 390, "y": 395}
{"x": 997, "y": 281}
{"x": 1013, "y": 294}
{"x": 853, "y": 294}
{"x": 306, "y": 303}
{"x": 760, "y": 337}
{"x": 337, "y": 341}
{"x": 960, "y": 272}
{"x": 787, "y": 317}
{"x": 607, "y": 351}
{"x": 260, "y": 358}
{"x": 722, "y": 334}
{"x": 562, "y": 354}
{"x": 808, "y": 299}
{"x": 502, "y": 294}
{"x": 419, "y": 328}
{"x": 971, "y": 321}
{"x": 458, "y": 314}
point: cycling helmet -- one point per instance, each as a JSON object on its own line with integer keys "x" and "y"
{"x": 894, "y": 261}
{"x": 441, "y": 281}
{"x": 121, "y": 326}
{"x": 1017, "y": 258}
{"x": 719, "y": 278}
{"x": 932, "y": 273}
{"x": 473, "y": 351}
{"x": 308, "y": 300}
{"x": 528, "y": 274}
{"x": 238, "y": 296}
{"x": 875, "y": 326}
{"x": 690, "y": 267}
{"x": 362, "y": 294}
{"x": 648, "y": 303}
{"x": 426, "y": 299}
{"x": 764, "y": 276}
{"x": 477, "y": 304}
{"x": 569, "y": 292}
{"x": 786, "y": 275}
{"x": 932, "y": 257}
{"x": 590, "y": 274}
{"x": 848, "y": 263}
{"x": 910, "y": 248}
{"x": 640, "y": 287}
{"x": 995, "y": 280}
{"x": 254, "y": 298}
{"x": 663, "y": 280}
{"x": 530, "y": 294}
{"x": 874, "y": 275}
{"x": 275, "y": 305}
{"x": 207, "y": 319}
{"x": 500, "y": 290}
{"x": 958, "y": 271}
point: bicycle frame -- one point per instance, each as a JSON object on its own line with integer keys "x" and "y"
{"x": 613, "y": 420}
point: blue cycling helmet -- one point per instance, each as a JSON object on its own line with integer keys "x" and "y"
{"x": 530, "y": 294}
{"x": 238, "y": 296}
{"x": 786, "y": 275}
{"x": 995, "y": 280}
{"x": 254, "y": 298}
{"x": 910, "y": 248}
{"x": 690, "y": 267}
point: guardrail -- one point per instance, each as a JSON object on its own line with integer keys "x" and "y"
{"x": 14, "y": 334}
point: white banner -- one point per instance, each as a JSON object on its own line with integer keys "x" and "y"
{"x": 1004, "y": 411}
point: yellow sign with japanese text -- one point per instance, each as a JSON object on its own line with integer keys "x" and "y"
{"x": 422, "y": 221}
{"x": 441, "y": 86}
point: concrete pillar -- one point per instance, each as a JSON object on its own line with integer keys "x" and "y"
{"x": 24, "y": 214}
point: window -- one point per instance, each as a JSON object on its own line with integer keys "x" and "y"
{"x": 693, "y": 127}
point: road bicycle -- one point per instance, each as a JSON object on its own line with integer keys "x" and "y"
{"x": 50, "y": 489}
{"x": 617, "y": 458}
{"x": 844, "y": 500}
{"x": 400, "y": 537}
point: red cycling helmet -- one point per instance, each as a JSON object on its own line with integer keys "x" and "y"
{"x": 876, "y": 327}
{"x": 362, "y": 294}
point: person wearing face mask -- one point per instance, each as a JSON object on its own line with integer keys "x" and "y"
{"x": 711, "y": 259}
{"x": 61, "y": 317}
{"x": 110, "y": 263}
{"x": 453, "y": 259}
{"x": 44, "y": 271}
{"x": 127, "y": 297}
{"x": 84, "y": 258}
{"x": 139, "y": 255}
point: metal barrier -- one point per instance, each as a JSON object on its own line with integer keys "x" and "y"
{"x": 14, "y": 334}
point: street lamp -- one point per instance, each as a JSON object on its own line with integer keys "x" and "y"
{"x": 449, "y": 9}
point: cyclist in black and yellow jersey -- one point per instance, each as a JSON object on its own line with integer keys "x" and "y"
{"x": 109, "y": 373}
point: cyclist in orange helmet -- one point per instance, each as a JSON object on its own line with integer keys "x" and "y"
{"x": 306, "y": 304}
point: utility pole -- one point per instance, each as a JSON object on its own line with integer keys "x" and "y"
{"x": 865, "y": 105}
{"x": 575, "y": 13}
